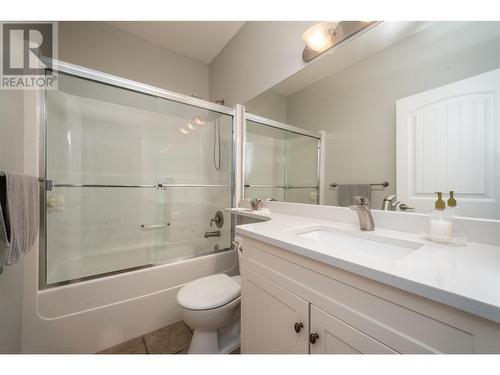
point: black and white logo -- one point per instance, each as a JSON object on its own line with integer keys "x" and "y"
{"x": 28, "y": 50}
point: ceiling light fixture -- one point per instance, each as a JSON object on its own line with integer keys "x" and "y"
{"x": 327, "y": 35}
{"x": 319, "y": 36}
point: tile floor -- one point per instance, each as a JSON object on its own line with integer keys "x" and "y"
{"x": 172, "y": 339}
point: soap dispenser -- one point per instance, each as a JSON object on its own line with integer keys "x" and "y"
{"x": 440, "y": 224}
{"x": 452, "y": 205}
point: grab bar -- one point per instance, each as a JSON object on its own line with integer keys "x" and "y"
{"x": 281, "y": 186}
{"x": 154, "y": 226}
{"x": 214, "y": 233}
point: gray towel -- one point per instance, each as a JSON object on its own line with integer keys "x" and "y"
{"x": 4, "y": 241}
{"x": 348, "y": 192}
{"x": 18, "y": 216}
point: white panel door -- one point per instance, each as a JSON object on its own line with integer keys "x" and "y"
{"x": 448, "y": 139}
{"x": 333, "y": 336}
{"x": 269, "y": 316}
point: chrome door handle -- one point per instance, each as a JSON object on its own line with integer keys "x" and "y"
{"x": 155, "y": 226}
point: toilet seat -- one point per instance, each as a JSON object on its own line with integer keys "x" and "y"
{"x": 209, "y": 292}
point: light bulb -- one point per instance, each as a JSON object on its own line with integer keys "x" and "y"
{"x": 319, "y": 36}
{"x": 198, "y": 121}
{"x": 190, "y": 126}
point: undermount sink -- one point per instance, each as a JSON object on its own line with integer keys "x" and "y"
{"x": 367, "y": 243}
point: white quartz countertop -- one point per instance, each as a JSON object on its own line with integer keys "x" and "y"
{"x": 465, "y": 277}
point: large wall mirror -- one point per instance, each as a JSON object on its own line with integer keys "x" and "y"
{"x": 408, "y": 109}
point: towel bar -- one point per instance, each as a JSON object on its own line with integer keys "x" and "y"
{"x": 384, "y": 184}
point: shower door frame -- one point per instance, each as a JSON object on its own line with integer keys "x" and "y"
{"x": 123, "y": 83}
{"x": 282, "y": 126}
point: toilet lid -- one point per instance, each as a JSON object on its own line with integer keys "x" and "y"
{"x": 208, "y": 292}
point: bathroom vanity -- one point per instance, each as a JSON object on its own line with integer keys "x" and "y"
{"x": 313, "y": 286}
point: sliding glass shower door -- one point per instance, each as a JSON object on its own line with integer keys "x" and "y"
{"x": 132, "y": 180}
{"x": 280, "y": 164}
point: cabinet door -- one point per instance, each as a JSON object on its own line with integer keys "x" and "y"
{"x": 336, "y": 337}
{"x": 269, "y": 315}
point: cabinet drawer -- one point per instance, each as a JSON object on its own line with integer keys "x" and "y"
{"x": 337, "y": 337}
{"x": 396, "y": 326}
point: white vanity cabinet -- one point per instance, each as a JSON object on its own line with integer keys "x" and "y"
{"x": 293, "y": 304}
{"x": 330, "y": 335}
{"x": 276, "y": 321}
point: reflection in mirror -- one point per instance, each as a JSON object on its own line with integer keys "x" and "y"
{"x": 414, "y": 104}
{"x": 280, "y": 164}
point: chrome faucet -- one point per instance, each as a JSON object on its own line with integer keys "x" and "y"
{"x": 390, "y": 203}
{"x": 364, "y": 214}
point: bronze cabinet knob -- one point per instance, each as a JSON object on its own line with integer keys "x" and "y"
{"x": 298, "y": 327}
{"x": 313, "y": 337}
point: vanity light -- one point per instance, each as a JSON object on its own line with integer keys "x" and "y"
{"x": 320, "y": 36}
{"x": 190, "y": 126}
{"x": 328, "y": 35}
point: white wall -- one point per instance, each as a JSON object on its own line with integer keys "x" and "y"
{"x": 356, "y": 106}
{"x": 268, "y": 104}
{"x": 259, "y": 56}
{"x": 11, "y": 160}
{"x": 102, "y": 47}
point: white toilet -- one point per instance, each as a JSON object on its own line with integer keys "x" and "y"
{"x": 211, "y": 307}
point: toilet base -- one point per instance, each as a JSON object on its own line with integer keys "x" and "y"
{"x": 217, "y": 341}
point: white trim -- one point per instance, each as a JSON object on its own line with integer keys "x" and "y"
{"x": 239, "y": 165}
{"x": 79, "y": 71}
{"x": 322, "y": 168}
{"x": 280, "y": 125}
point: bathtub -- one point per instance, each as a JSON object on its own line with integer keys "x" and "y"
{"x": 90, "y": 316}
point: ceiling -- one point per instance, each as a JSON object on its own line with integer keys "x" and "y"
{"x": 199, "y": 40}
